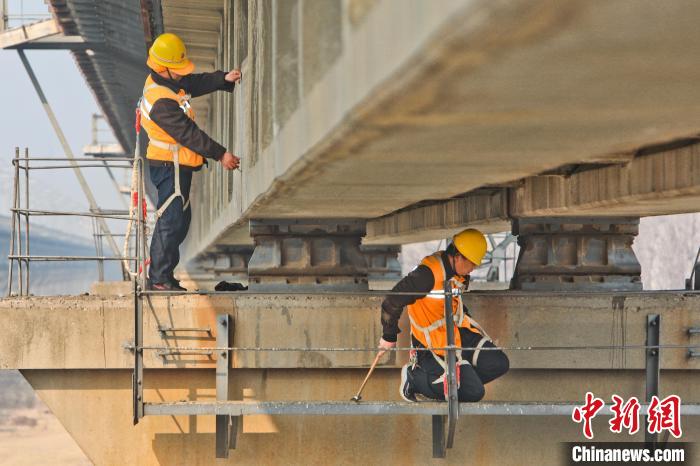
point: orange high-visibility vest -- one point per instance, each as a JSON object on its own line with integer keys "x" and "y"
{"x": 161, "y": 145}
{"x": 427, "y": 315}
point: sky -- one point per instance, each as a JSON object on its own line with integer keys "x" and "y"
{"x": 25, "y": 124}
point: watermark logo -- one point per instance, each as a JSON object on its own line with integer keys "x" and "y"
{"x": 625, "y": 415}
{"x": 587, "y": 412}
{"x": 665, "y": 415}
{"x": 661, "y": 415}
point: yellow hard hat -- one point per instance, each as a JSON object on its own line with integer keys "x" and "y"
{"x": 168, "y": 51}
{"x": 471, "y": 244}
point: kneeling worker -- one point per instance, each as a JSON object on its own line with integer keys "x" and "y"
{"x": 425, "y": 373}
{"x": 177, "y": 146}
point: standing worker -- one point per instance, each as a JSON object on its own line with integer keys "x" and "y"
{"x": 177, "y": 147}
{"x": 425, "y": 373}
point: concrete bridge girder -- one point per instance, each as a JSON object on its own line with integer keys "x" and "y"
{"x": 91, "y": 332}
{"x": 96, "y": 376}
{"x": 76, "y": 396}
{"x": 452, "y": 105}
{"x": 666, "y": 182}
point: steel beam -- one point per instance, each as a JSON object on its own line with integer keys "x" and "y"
{"x": 137, "y": 377}
{"x": 223, "y": 363}
{"x": 307, "y": 254}
{"x": 653, "y": 369}
{"x": 224, "y": 260}
{"x": 382, "y": 263}
{"x": 439, "y": 450}
{"x": 451, "y": 371}
{"x": 576, "y": 254}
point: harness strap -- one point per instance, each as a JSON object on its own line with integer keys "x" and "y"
{"x": 426, "y": 333}
{"x": 174, "y": 148}
{"x": 458, "y": 319}
{"x": 477, "y": 349}
{"x": 480, "y": 328}
{"x": 145, "y": 106}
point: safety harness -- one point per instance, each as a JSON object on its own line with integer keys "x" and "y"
{"x": 458, "y": 318}
{"x": 145, "y": 106}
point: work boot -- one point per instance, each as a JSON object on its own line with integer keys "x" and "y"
{"x": 166, "y": 287}
{"x": 405, "y": 389}
{"x": 176, "y": 285}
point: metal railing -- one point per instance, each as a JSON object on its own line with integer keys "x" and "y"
{"x": 20, "y": 256}
{"x": 444, "y": 415}
{"x": 693, "y": 283}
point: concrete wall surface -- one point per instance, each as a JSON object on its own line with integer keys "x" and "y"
{"x": 91, "y": 332}
{"x": 70, "y": 350}
{"x": 364, "y": 108}
{"x": 95, "y": 408}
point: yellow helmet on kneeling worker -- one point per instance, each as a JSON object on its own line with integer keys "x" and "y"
{"x": 169, "y": 52}
{"x": 471, "y": 243}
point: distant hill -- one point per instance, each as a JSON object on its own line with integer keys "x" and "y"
{"x": 23, "y": 417}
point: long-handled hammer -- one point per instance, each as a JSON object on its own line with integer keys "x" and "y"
{"x": 357, "y": 397}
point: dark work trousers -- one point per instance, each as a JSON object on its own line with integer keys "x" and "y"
{"x": 490, "y": 365}
{"x": 171, "y": 228}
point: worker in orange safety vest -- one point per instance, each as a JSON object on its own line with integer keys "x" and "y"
{"x": 177, "y": 147}
{"x": 424, "y": 376}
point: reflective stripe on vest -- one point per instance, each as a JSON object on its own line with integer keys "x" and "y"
{"x": 432, "y": 306}
{"x": 152, "y": 92}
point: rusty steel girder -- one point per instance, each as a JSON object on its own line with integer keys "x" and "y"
{"x": 582, "y": 254}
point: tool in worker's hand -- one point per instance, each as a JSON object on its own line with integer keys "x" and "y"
{"x": 357, "y": 397}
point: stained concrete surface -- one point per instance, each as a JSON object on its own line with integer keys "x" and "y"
{"x": 91, "y": 332}
{"x": 449, "y": 95}
{"x": 189, "y": 440}
{"x": 94, "y": 402}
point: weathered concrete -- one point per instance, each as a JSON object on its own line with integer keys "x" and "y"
{"x": 89, "y": 333}
{"x": 111, "y": 288}
{"x": 487, "y": 211}
{"x": 95, "y": 408}
{"x": 70, "y": 351}
{"x": 448, "y": 103}
{"x": 666, "y": 182}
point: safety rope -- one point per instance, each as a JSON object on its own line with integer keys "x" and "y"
{"x": 396, "y": 349}
{"x": 133, "y": 205}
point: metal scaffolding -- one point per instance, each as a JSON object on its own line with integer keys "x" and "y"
{"x": 444, "y": 414}
{"x": 20, "y": 256}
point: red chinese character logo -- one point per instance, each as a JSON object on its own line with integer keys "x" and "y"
{"x": 665, "y": 415}
{"x": 587, "y": 412}
{"x": 626, "y": 416}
